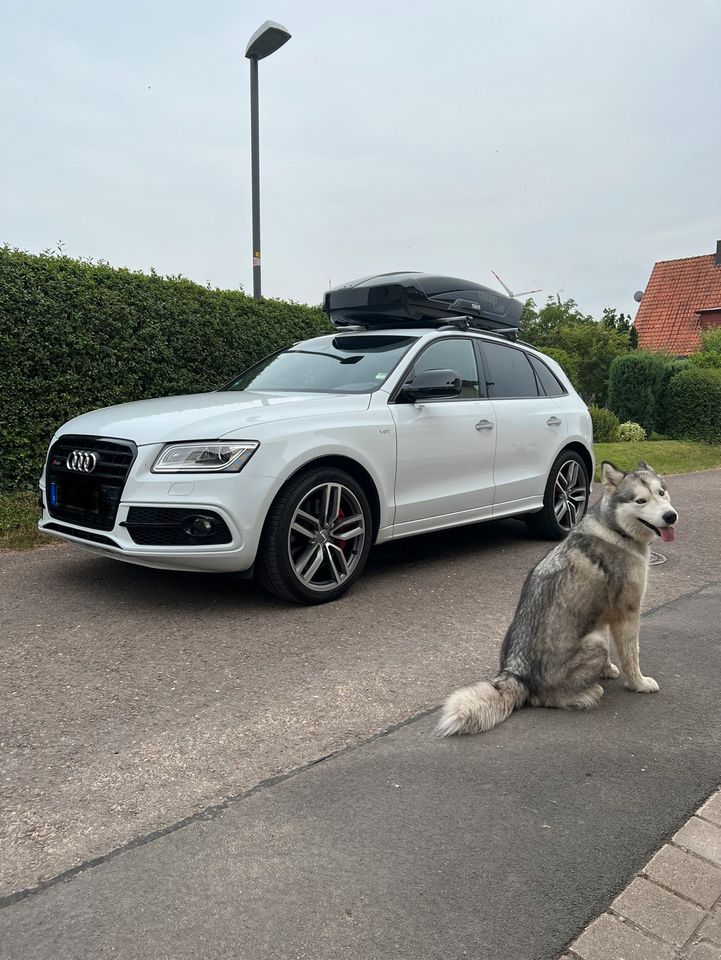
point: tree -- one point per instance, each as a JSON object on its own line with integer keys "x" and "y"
{"x": 593, "y": 345}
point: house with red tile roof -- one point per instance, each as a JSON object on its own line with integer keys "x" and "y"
{"x": 682, "y": 298}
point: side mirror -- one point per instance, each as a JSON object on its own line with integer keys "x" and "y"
{"x": 432, "y": 385}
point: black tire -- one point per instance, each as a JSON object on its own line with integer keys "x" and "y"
{"x": 572, "y": 505}
{"x": 295, "y": 545}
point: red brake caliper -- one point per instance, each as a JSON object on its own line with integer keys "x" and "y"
{"x": 343, "y": 544}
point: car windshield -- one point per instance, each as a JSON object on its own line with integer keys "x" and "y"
{"x": 351, "y": 363}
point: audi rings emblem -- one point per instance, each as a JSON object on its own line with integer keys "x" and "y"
{"x": 82, "y": 461}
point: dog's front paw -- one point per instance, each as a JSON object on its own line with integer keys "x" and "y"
{"x": 610, "y": 671}
{"x": 643, "y": 685}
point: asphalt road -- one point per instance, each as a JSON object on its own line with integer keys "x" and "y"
{"x": 499, "y": 847}
{"x": 136, "y": 699}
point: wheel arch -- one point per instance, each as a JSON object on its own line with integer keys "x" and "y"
{"x": 349, "y": 466}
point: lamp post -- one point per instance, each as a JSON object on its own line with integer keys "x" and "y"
{"x": 266, "y": 40}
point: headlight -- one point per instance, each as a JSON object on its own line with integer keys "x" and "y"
{"x": 205, "y": 457}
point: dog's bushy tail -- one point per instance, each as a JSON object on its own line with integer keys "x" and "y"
{"x": 482, "y": 706}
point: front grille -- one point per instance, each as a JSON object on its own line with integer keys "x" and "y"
{"x": 81, "y": 534}
{"x": 89, "y": 499}
{"x": 166, "y": 527}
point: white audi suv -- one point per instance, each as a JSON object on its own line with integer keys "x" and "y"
{"x": 407, "y": 419}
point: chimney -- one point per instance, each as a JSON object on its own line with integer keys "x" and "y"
{"x": 717, "y": 258}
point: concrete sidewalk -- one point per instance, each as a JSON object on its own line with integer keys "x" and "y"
{"x": 504, "y": 846}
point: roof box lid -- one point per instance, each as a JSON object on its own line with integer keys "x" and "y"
{"x": 408, "y": 299}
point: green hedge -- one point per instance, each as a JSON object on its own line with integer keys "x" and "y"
{"x": 637, "y": 387}
{"x": 605, "y": 425}
{"x": 76, "y": 336}
{"x": 693, "y": 405}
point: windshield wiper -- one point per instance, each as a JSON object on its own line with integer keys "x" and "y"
{"x": 319, "y": 353}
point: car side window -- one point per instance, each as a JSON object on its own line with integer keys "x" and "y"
{"x": 550, "y": 383}
{"x": 455, "y": 354}
{"x": 508, "y": 372}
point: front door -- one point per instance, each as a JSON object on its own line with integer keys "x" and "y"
{"x": 445, "y": 448}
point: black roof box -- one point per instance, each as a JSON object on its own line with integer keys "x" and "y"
{"x": 410, "y": 299}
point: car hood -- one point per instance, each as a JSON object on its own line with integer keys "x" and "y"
{"x": 208, "y": 416}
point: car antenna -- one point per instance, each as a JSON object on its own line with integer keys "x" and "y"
{"x": 508, "y": 290}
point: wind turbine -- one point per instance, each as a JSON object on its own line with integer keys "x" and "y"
{"x": 508, "y": 290}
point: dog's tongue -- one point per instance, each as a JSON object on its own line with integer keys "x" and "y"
{"x": 668, "y": 534}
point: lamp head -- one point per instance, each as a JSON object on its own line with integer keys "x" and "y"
{"x": 268, "y": 38}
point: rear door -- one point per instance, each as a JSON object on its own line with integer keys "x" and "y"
{"x": 530, "y": 427}
{"x": 445, "y": 448}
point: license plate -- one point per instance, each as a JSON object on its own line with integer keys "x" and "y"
{"x": 75, "y": 495}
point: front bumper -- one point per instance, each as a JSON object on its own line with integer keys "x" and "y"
{"x": 241, "y": 500}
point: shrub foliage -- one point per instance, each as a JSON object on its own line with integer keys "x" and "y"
{"x": 605, "y": 425}
{"x": 76, "y": 336}
{"x": 637, "y": 387}
{"x": 630, "y": 432}
{"x": 693, "y": 405}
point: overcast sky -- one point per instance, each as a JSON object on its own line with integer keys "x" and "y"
{"x": 567, "y": 144}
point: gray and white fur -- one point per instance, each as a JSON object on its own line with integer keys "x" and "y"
{"x": 556, "y": 650}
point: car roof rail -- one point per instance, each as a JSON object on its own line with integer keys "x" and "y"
{"x": 474, "y": 323}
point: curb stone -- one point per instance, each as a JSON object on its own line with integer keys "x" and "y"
{"x": 671, "y": 910}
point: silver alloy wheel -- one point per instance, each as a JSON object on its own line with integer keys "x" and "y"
{"x": 326, "y": 536}
{"x": 569, "y": 495}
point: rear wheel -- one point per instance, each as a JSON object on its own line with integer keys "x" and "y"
{"x": 565, "y": 499}
{"x": 317, "y": 537}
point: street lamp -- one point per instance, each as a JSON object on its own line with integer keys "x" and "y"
{"x": 266, "y": 40}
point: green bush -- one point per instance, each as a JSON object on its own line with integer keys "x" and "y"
{"x": 76, "y": 336}
{"x": 706, "y": 360}
{"x": 605, "y": 425}
{"x": 711, "y": 340}
{"x": 637, "y": 386}
{"x": 693, "y": 405}
{"x": 630, "y": 432}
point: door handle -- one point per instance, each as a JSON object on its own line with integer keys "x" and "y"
{"x": 553, "y": 422}
{"x": 484, "y": 425}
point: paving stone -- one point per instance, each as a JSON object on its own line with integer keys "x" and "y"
{"x": 711, "y": 810}
{"x": 710, "y": 929}
{"x": 609, "y": 939}
{"x": 685, "y": 874}
{"x": 704, "y": 951}
{"x": 658, "y": 911}
{"x": 702, "y": 838}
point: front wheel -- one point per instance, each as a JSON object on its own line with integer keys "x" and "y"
{"x": 565, "y": 499}
{"x": 317, "y": 537}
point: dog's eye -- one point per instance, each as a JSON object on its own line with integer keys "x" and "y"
{"x": 641, "y": 500}
{"x": 662, "y": 493}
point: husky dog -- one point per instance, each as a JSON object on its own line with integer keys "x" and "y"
{"x": 557, "y": 647}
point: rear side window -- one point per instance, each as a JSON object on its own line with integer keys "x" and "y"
{"x": 508, "y": 372}
{"x": 550, "y": 383}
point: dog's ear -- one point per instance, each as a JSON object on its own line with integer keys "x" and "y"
{"x": 642, "y": 465}
{"x": 610, "y": 474}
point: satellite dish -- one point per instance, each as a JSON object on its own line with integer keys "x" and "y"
{"x": 638, "y": 296}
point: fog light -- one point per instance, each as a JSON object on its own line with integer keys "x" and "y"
{"x": 198, "y": 526}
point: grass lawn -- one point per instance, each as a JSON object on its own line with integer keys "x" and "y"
{"x": 665, "y": 456}
{"x": 19, "y": 512}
